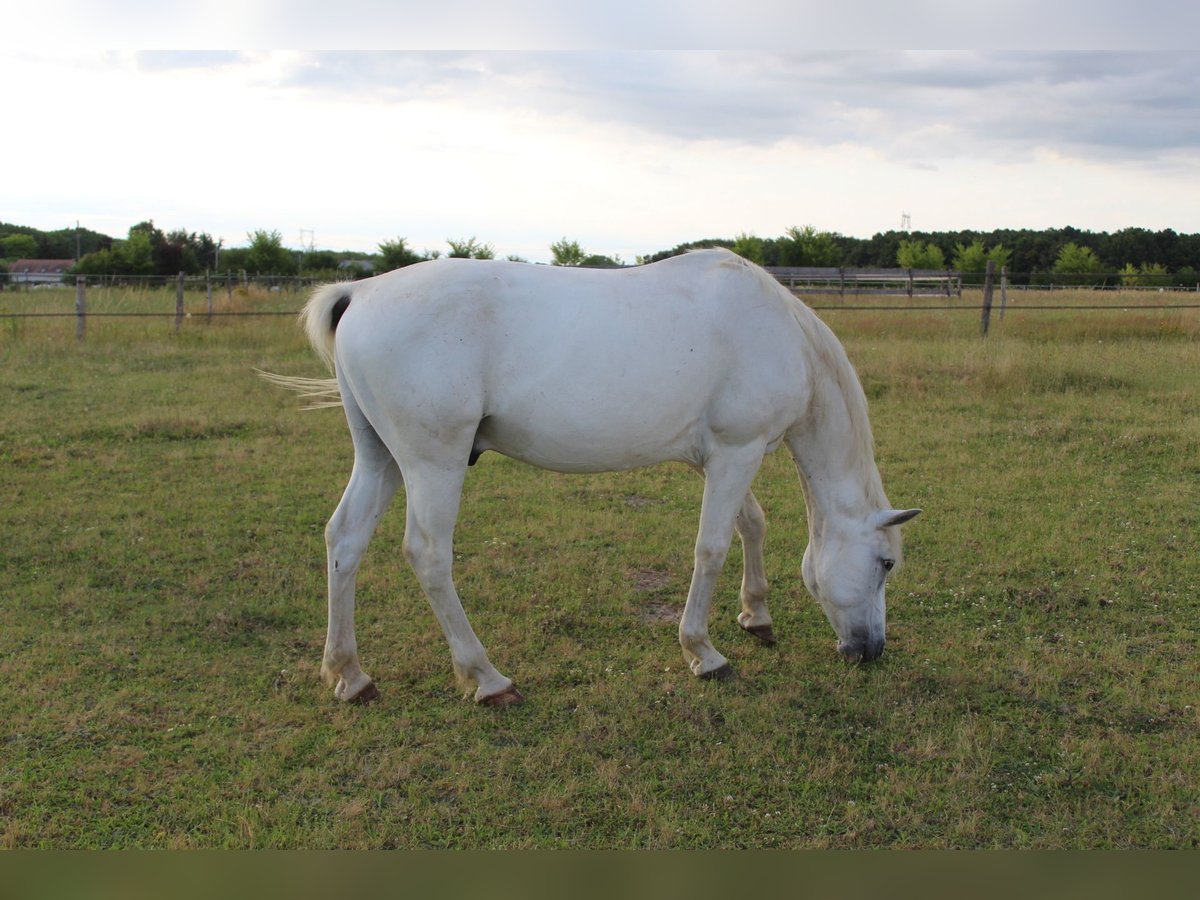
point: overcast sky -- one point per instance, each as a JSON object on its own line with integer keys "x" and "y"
{"x": 626, "y": 151}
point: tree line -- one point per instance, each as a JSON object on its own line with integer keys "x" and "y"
{"x": 147, "y": 250}
{"x": 1059, "y": 255}
{"x": 1053, "y": 255}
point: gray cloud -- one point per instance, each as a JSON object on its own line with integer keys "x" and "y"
{"x": 913, "y": 106}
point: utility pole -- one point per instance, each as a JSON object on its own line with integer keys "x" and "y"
{"x": 305, "y": 247}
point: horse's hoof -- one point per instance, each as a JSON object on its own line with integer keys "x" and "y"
{"x": 369, "y": 694}
{"x": 722, "y": 673}
{"x": 510, "y": 696}
{"x": 763, "y": 632}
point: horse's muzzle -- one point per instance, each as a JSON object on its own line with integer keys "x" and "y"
{"x": 861, "y": 649}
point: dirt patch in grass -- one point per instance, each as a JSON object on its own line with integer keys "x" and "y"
{"x": 661, "y": 613}
{"x": 649, "y": 580}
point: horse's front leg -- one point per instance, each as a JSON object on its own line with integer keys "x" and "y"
{"x": 752, "y": 528}
{"x": 373, "y": 483}
{"x": 434, "y": 494}
{"x": 727, "y": 476}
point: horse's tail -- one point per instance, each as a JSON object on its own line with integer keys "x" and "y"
{"x": 321, "y": 315}
{"x": 319, "y": 318}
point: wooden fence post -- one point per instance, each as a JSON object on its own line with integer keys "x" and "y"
{"x": 988, "y": 276}
{"x": 80, "y": 306}
{"x": 179, "y": 301}
{"x": 208, "y": 292}
{"x": 1003, "y": 290}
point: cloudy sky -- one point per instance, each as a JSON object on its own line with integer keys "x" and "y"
{"x": 626, "y": 151}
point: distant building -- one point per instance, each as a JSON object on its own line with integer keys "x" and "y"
{"x": 364, "y": 266}
{"x": 39, "y": 271}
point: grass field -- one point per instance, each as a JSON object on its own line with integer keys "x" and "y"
{"x": 162, "y": 611}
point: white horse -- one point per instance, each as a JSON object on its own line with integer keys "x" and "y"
{"x": 702, "y": 358}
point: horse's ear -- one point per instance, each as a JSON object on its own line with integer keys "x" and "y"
{"x": 895, "y": 517}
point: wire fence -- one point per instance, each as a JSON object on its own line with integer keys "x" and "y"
{"x": 951, "y": 283}
{"x": 828, "y": 290}
{"x": 808, "y": 279}
{"x": 227, "y": 281}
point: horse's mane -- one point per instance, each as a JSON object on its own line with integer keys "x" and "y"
{"x": 831, "y": 362}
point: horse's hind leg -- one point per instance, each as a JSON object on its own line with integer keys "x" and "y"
{"x": 373, "y": 483}
{"x": 751, "y": 526}
{"x": 434, "y": 493}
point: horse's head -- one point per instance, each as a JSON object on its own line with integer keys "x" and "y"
{"x": 846, "y": 568}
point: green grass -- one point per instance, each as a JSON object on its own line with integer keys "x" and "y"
{"x": 162, "y": 613}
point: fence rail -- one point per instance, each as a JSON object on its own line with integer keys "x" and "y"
{"x": 843, "y": 281}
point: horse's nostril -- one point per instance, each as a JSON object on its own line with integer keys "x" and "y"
{"x": 861, "y": 650}
{"x": 873, "y": 650}
{"x": 851, "y": 653}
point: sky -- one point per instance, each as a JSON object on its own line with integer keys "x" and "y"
{"x": 626, "y": 149}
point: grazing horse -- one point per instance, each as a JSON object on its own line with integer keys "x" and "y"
{"x": 702, "y": 359}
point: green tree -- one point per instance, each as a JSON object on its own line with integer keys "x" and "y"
{"x": 806, "y": 246}
{"x": 397, "y": 254}
{"x": 600, "y": 261}
{"x": 1076, "y": 264}
{"x": 99, "y": 262}
{"x": 913, "y": 254}
{"x": 1155, "y": 274}
{"x": 135, "y": 255}
{"x": 176, "y": 252}
{"x": 566, "y": 253}
{"x": 1187, "y": 277}
{"x": 972, "y": 259}
{"x": 18, "y": 246}
{"x": 470, "y": 249}
{"x": 132, "y": 256}
{"x": 320, "y": 261}
{"x": 152, "y": 232}
{"x": 267, "y": 255}
{"x": 751, "y": 247}
{"x": 1145, "y": 275}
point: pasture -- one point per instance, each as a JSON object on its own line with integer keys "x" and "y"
{"x": 162, "y": 611}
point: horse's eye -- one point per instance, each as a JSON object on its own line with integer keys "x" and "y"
{"x": 888, "y": 564}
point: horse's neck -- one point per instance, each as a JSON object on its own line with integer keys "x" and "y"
{"x": 835, "y": 455}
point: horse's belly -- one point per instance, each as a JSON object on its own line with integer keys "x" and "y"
{"x": 571, "y": 445}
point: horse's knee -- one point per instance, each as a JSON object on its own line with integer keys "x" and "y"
{"x": 710, "y": 556}
{"x": 426, "y": 557}
{"x": 346, "y": 539}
